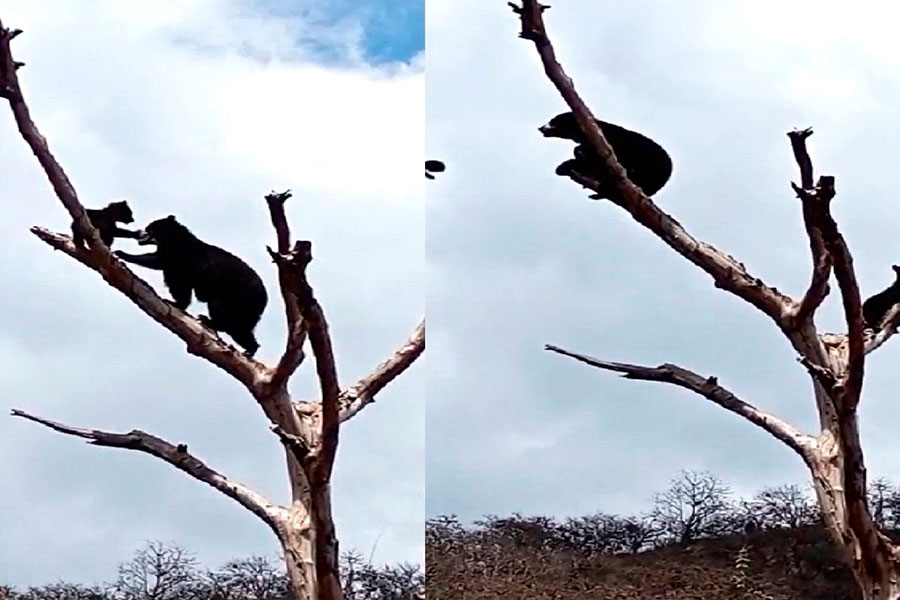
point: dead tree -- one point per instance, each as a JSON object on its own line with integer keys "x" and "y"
{"x": 308, "y": 430}
{"x": 835, "y": 362}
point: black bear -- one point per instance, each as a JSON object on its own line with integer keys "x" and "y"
{"x": 647, "y": 164}
{"x": 875, "y": 308}
{"x": 105, "y": 219}
{"x": 233, "y": 292}
{"x": 432, "y": 167}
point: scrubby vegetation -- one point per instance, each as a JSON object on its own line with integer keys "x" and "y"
{"x": 697, "y": 541}
{"x": 165, "y": 571}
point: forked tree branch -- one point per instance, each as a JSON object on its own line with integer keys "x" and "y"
{"x": 294, "y": 264}
{"x": 362, "y": 393}
{"x": 727, "y": 273}
{"x": 296, "y": 326}
{"x": 819, "y": 199}
{"x": 821, "y": 259}
{"x": 709, "y": 388}
{"x": 177, "y": 456}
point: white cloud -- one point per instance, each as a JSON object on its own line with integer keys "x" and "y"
{"x": 198, "y": 109}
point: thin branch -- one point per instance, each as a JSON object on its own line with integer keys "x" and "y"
{"x": 200, "y": 341}
{"x": 801, "y": 155}
{"x": 363, "y": 392}
{"x": 727, "y": 273}
{"x": 65, "y": 191}
{"x": 709, "y": 388}
{"x": 295, "y": 443}
{"x": 821, "y": 259}
{"x": 825, "y": 376}
{"x": 177, "y": 456}
{"x": 293, "y": 356}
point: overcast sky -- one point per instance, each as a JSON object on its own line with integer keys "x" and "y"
{"x": 519, "y": 257}
{"x": 198, "y": 109}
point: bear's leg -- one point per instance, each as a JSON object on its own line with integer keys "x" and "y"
{"x": 246, "y": 340}
{"x": 181, "y": 291}
{"x": 228, "y": 318}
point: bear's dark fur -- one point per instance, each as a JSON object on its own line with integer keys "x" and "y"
{"x": 432, "y": 167}
{"x": 233, "y": 292}
{"x": 647, "y": 164}
{"x": 875, "y": 308}
{"x": 105, "y": 219}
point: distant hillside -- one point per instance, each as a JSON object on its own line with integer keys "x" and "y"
{"x": 697, "y": 541}
{"x": 778, "y": 564}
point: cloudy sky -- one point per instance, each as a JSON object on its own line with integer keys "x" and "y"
{"x": 519, "y": 257}
{"x": 198, "y": 109}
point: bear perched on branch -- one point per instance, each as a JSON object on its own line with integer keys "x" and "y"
{"x": 105, "y": 220}
{"x": 875, "y": 308}
{"x": 233, "y": 292}
{"x": 647, "y": 164}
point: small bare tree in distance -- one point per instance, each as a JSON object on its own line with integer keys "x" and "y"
{"x": 835, "y": 362}
{"x": 308, "y": 430}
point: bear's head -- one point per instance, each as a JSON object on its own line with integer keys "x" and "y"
{"x": 562, "y": 126}
{"x": 120, "y": 212}
{"x": 165, "y": 232}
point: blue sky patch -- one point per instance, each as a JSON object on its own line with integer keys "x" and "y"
{"x": 393, "y": 30}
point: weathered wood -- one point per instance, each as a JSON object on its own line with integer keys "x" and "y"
{"x": 835, "y": 362}
{"x": 304, "y": 526}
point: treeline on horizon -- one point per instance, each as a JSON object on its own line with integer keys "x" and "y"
{"x": 696, "y": 506}
{"x": 166, "y": 571}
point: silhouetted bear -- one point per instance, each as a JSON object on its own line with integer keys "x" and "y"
{"x": 433, "y": 166}
{"x": 875, "y": 308}
{"x": 647, "y": 164}
{"x": 234, "y": 294}
{"x": 105, "y": 219}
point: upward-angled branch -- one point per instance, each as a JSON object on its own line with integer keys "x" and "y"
{"x": 294, "y": 264}
{"x": 727, "y": 273}
{"x": 326, "y": 369}
{"x": 821, "y": 259}
{"x": 362, "y": 393}
{"x": 709, "y": 388}
{"x": 177, "y": 456}
{"x": 12, "y": 91}
{"x": 819, "y": 200}
{"x": 296, "y": 326}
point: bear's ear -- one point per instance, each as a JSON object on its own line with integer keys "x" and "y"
{"x": 170, "y": 218}
{"x": 896, "y": 269}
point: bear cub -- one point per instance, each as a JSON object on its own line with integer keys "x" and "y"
{"x": 875, "y": 308}
{"x": 647, "y": 164}
{"x": 233, "y": 292}
{"x": 105, "y": 220}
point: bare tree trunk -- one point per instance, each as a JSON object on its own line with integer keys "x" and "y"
{"x": 835, "y": 362}
{"x": 308, "y": 431}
